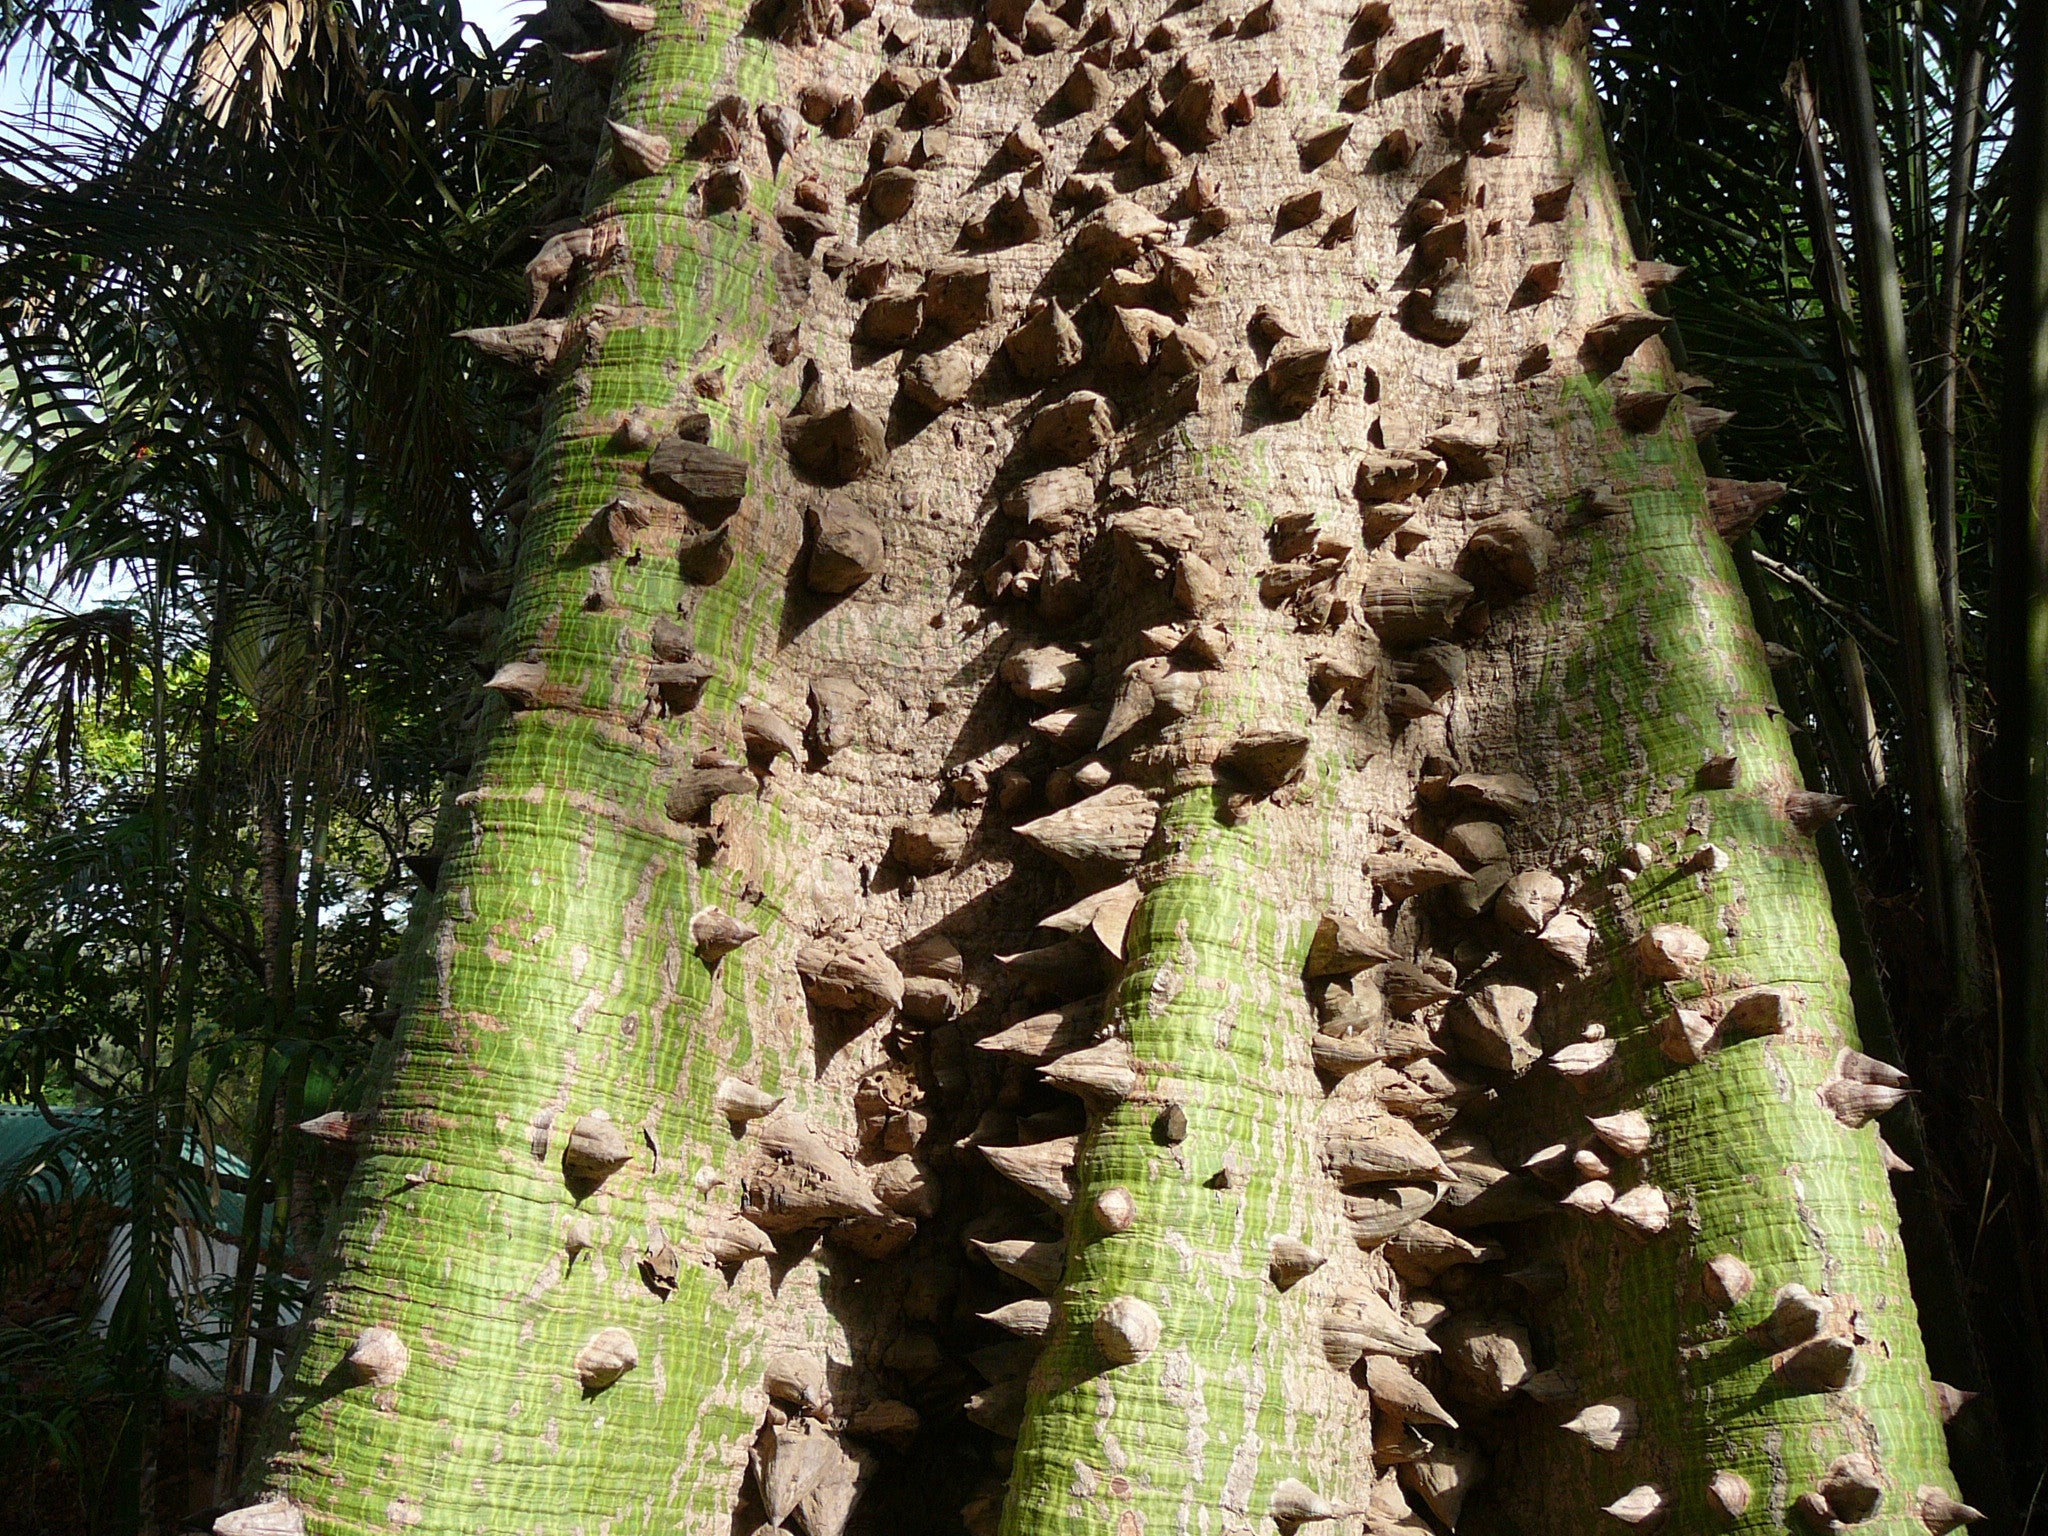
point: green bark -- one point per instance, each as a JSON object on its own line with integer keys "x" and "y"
{"x": 549, "y": 975}
{"x": 1237, "y": 1397}
{"x": 552, "y": 972}
{"x": 1754, "y": 1164}
{"x": 1638, "y": 662}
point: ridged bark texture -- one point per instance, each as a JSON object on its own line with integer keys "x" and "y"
{"x": 1298, "y": 697}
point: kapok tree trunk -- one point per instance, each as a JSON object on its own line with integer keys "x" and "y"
{"x": 1289, "y": 920}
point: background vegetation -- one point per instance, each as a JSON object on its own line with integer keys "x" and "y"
{"x": 250, "y": 505}
{"x": 247, "y": 487}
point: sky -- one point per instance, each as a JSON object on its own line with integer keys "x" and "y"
{"x": 498, "y": 19}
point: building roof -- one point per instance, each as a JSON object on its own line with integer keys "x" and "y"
{"x": 48, "y": 1163}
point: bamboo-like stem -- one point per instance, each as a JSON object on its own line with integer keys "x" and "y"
{"x": 294, "y": 1211}
{"x": 2015, "y": 792}
{"x": 1929, "y": 723}
{"x": 2017, "y": 783}
{"x": 152, "y": 1223}
{"x": 248, "y": 1259}
{"x": 1831, "y": 277}
{"x": 317, "y": 685}
{"x": 1965, "y": 139}
{"x": 309, "y": 906}
{"x": 1841, "y": 747}
{"x": 184, "y": 997}
{"x": 1862, "y": 720}
{"x": 199, "y": 862}
{"x": 276, "y": 906}
{"x": 1905, "y": 38}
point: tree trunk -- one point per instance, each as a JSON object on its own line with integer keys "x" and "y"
{"x": 1087, "y": 609}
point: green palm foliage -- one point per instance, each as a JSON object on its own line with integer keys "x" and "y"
{"x": 244, "y": 478}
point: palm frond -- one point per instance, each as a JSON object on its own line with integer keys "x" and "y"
{"x": 69, "y": 667}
